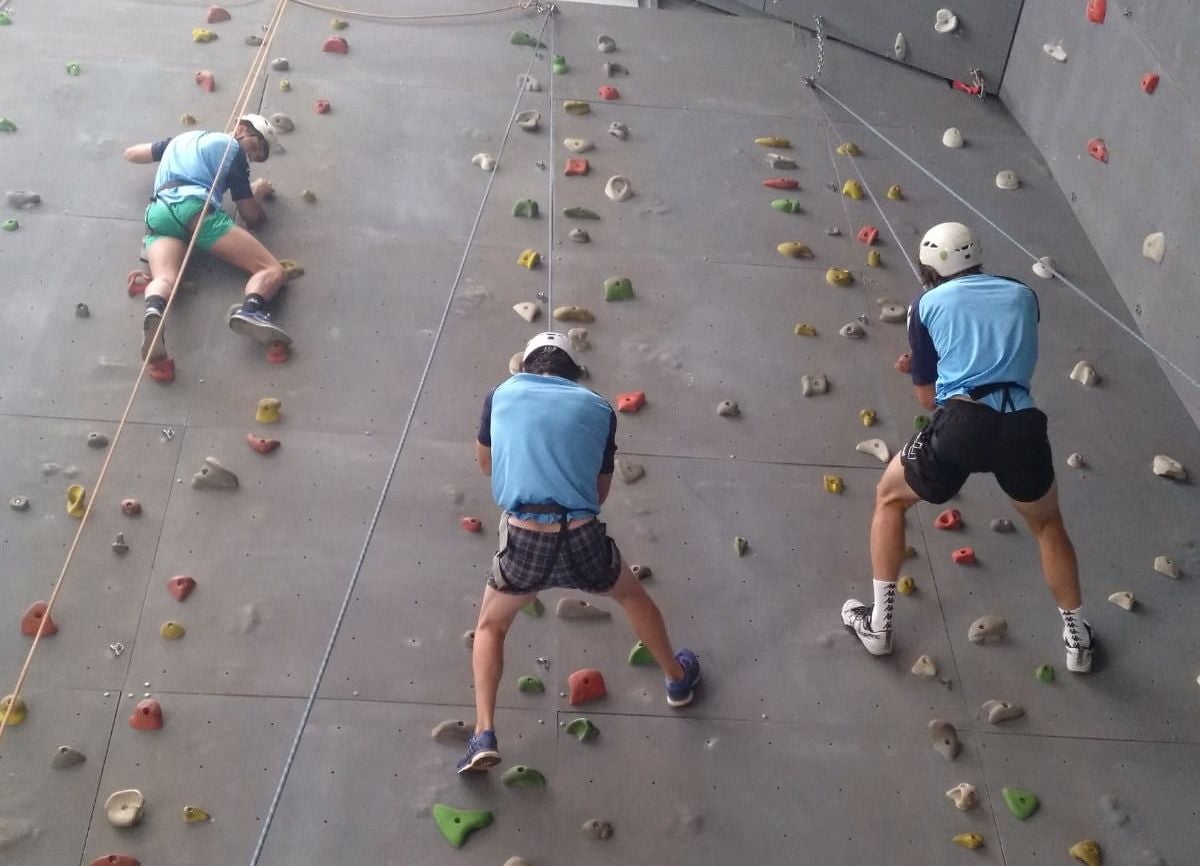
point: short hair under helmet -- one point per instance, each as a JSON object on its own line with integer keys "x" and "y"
{"x": 263, "y": 127}
{"x": 950, "y": 248}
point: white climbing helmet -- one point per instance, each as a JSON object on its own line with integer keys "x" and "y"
{"x": 950, "y": 248}
{"x": 260, "y": 125}
{"x": 553, "y": 339}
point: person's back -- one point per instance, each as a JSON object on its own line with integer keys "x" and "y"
{"x": 192, "y": 160}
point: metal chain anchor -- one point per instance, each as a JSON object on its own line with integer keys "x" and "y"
{"x": 811, "y": 80}
{"x": 538, "y": 6}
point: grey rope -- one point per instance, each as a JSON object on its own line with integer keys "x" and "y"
{"x": 362, "y": 555}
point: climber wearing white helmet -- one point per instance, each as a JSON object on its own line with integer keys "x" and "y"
{"x": 974, "y": 347}
{"x": 548, "y": 444}
{"x": 190, "y": 164}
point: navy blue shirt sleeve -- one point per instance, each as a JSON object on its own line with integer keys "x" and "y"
{"x": 610, "y": 447}
{"x": 158, "y": 148}
{"x": 485, "y": 422}
{"x": 239, "y": 177}
{"x": 923, "y": 367}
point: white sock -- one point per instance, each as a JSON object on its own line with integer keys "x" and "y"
{"x": 885, "y": 600}
{"x": 1073, "y": 622}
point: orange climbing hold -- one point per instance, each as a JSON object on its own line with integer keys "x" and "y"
{"x": 278, "y": 353}
{"x": 321, "y": 106}
{"x": 217, "y": 14}
{"x": 1096, "y": 9}
{"x": 608, "y": 92}
{"x": 336, "y": 45}
{"x": 147, "y": 716}
{"x": 181, "y": 586}
{"x": 963, "y": 556}
{"x": 586, "y": 685}
{"x": 1098, "y": 149}
{"x": 868, "y": 235}
{"x": 949, "y": 519}
{"x": 261, "y": 445}
{"x": 35, "y": 617}
{"x": 162, "y": 370}
{"x": 471, "y": 524}
{"x": 136, "y": 283}
{"x": 116, "y": 860}
{"x": 576, "y": 168}
{"x": 631, "y": 402}
{"x": 1150, "y": 82}
{"x": 781, "y": 183}
{"x": 205, "y": 79}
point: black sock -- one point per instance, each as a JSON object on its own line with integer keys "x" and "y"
{"x": 156, "y": 302}
{"x": 253, "y": 303}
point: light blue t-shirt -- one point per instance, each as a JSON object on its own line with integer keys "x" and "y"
{"x": 195, "y": 159}
{"x": 973, "y": 331}
{"x": 550, "y": 439}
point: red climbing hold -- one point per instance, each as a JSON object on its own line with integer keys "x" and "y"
{"x": 608, "y": 92}
{"x": 131, "y": 507}
{"x": 781, "y": 183}
{"x": 576, "y": 168}
{"x": 162, "y": 370}
{"x": 1096, "y": 10}
{"x": 963, "y": 556}
{"x": 261, "y": 445}
{"x": 181, "y": 586}
{"x": 33, "y": 617}
{"x": 586, "y": 685}
{"x": 471, "y": 524}
{"x": 868, "y": 235}
{"x": 278, "y": 353}
{"x": 949, "y": 519}
{"x": 972, "y": 89}
{"x": 1150, "y": 82}
{"x": 116, "y": 860}
{"x": 217, "y": 14}
{"x": 205, "y": 79}
{"x": 136, "y": 283}
{"x": 1098, "y": 149}
{"x": 321, "y": 106}
{"x": 631, "y": 402}
{"x": 336, "y": 45}
{"x": 147, "y": 716}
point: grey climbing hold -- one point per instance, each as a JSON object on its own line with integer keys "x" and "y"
{"x": 280, "y": 64}
{"x": 1166, "y": 565}
{"x": 1168, "y": 467}
{"x": 18, "y": 503}
{"x": 641, "y": 572}
{"x": 630, "y": 472}
{"x": 612, "y": 70}
{"x": 124, "y": 808}
{"x": 833, "y": 231}
{"x": 1055, "y": 51}
{"x": 740, "y": 545}
{"x": 1002, "y": 524}
{"x": 530, "y": 685}
{"x": 252, "y": 40}
{"x": 597, "y": 829}
{"x": 578, "y": 608}
{"x": 891, "y": 311}
{"x": 964, "y": 796}
{"x": 781, "y": 162}
{"x": 900, "y": 47}
{"x": 953, "y": 138}
{"x": 521, "y": 776}
{"x": 728, "y": 409}
{"x": 579, "y": 236}
{"x": 1113, "y": 813}
{"x": 281, "y": 123}
{"x": 579, "y": 339}
{"x": 582, "y": 729}
{"x": 82, "y": 311}
{"x": 988, "y": 629}
{"x": 618, "y": 130}
{"x": 945, "y": 21}
{"x": 1045, "y": 268}
{"x": 944, "y": 737}
{"x": 452, "y": 730}
{"x": 529, "y": 120}
{"x": 468, "y": 639}
{"x": 814, "y": 384}
{"x": 1123, "y": 599}
{"x": 578, "y": 145}
{"x": 65, "y": 756}
{"x": 1154, "y": 247}
{"x": 527, "y": 310}
{"x": 214, "y": 476}
{"x": 309, "y": 196}
{"x": 618, "y": 188}
{"x": 606, "y": 44}
{"x": 877, "y": 448}
{"x": 97, "y": 440}
{"x": 21, "y": 198}
{"x": 998, "y": 711}
{"x": 1085, "y": 374}
{"x": 1007, "y": 180}
{"x": 924, "y": 667}
{"x": 1075, "y": 460}
{"x": 527, "y": 82}
{"x": 852, "y": 331}
{"x": 119, "y": 546}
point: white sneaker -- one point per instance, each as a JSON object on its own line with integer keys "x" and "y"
{"x": 1079, "y": 653}
{"x": 857, "y": 617}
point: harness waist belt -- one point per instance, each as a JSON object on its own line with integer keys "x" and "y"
{"x": 1006, "y": 404}
{"x": 539, "y": 509}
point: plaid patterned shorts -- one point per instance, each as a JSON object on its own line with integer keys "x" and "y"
{"x": 526, "y": 562}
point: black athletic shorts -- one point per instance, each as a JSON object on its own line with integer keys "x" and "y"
{"x": 526, "y": 560}
{"x": 968, "y": 437}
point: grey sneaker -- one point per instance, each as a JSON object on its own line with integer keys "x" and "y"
{"x": 1079, "y": 650}
{"x": 257, "y": 325}
{"x": 152, "y": 348}
{"x": 856, "y": 616}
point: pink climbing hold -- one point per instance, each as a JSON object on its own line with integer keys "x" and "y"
{"x": 205, "y": 79}
{"x": 278, "y": 353}
{"x": 260, "y": 445}
{"x": 868, "y": 235}
{"x": 471, "y": 524}
{"x": 608, "y": 92}
{"x": 1150, "y": 82}
{"x": 147, "y": 716}
{"x": 576, "y": 168}
{"x": 162, "y": 370}
{"x": 631, "y": 402}
{"x": 33, "y": 618}
{"x": 136, "y": 283}
{"x": 116, "y": 860}
{"x": 781, "y": 183}
{"x": 949, "y": 519}
{"x": 1098, "y": 149}
{"x": 336, "y": 45}
{"x": 963, "y": 556}
{"x": 181, "y": 586}
{"x": 321, "y": 106}
{"x": 1096, "y": 10}
{"x": 586, "y": 685}
{"x": 131, "y": 507}
{"x": 217, "y": 14}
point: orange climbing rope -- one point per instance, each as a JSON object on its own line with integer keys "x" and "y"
{"x": 256, "y": 68}
{"x": 378, "y": 16}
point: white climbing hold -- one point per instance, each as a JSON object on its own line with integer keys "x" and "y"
{"x": 485, "y": 161}
{"x": 892, "y": 311}
{"x": 452, "y": 730}
{"x": 618, "y": 188}
{"x": 852, "y": 331}
{"x": 1055, "y": 51}
{"x": 606, "y": 44}
{"x": 1045, "y": 267}
{"x": 515, "y": 362}
{"x": 1168, "y": 467}
{"x": 987, "y": 629}
{"x": 810, "y": 385}
{"x": 527, "y": 310}
{"x": 998, "y": 711}
{"x": 1007, "y": 179}
{"x": 779, "y": 161}
{"x": 529, "y": 120}
{"x": 1154, "y": 247}
{"x": 124, "y": 808}
{"x": 618, "y": 130}
{"x": 630, "y": 472}
{"x": 877, "y": 448}
{"x": 1085, "y": 374}
{"x": 578, "y": 338}
{"x": 213, "y": 475}
{"x": 577, "y": 145}
{"x": 945, "y": 21}
{"x": 952, "y": 137}
{"x": 1075, "y": 460}
{"x": 516, "y": 861}
{"x": 964, "y": 796}
{"x": 900, "y": 47}
{"x": 728, "y": 409}
{"x": 1123, "y": 599}
{"x": 924, "y": 667}
{"x": 579, "y": 608}
{"x": 527, "y": 82}
{"x": 1166, "y": 565}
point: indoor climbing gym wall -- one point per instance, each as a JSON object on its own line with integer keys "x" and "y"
{"x": 238, "y": 605}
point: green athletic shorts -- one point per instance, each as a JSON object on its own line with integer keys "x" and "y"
{"x": 171, "y": 220}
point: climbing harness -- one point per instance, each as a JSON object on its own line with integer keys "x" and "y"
{"x": 1006, "y": 403}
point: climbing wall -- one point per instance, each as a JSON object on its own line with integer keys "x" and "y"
{"x": 799, "y": 747}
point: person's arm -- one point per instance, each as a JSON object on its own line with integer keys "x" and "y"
{"x": 483, "y": 456}
{"x": 483, "y": 440}
{"x": 923, "y": 359}
{"x": 925, "y": 396}
{"x": 151, "y": 151}
{"x": 608, "y": 463}
{"x": 248, "y": 197}
{"x": 251, "y": 211}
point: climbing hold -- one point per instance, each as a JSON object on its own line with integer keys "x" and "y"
{"x": 873, "y": 259}
{"x": 199, "y": 34}
{"x": 260, "y": 445}
{"x": 529, "y": 259}
{"x": 890, "y": 311}
{"x": 781, "y": 183}
{"x": 631, "y": 401}
{"x": 611, "y": 70}
{"x": 13, "y": 710}
{"x": 803, "y": 329}
{"x": 336, "y": 45}
{"x": 906, "y": 585}
{"x": 607, "y": 91}
{"x": 1154, "y": 247}
{"x": 949, "y": 519}
{"x": 1021, "y": 803}
{"x": 969, "y": 840}
{"x": 76, "y": 500}
{"x": 10, "y": 225}
{"x": 963, "y": 556}
{"x": 578, "y": 338}
{"x": 578, "y": 145}
{"x": 527, "y": 82}
{"x": 582, "y": 729}
{"x": 529, "y": 120}
{"x": 776, "y": 141}
{"x": 97, "y": 440}
{"x": 574, "y": 314}
{"x": 998, "y": 711}
{"x": 1096, "y": 10}
{"x": 267, "y": 411}
{"x": 213, "y": 476}
{"x": 877, "y": 448}
{"x": 1166, "y": 565}
{"x": 485, "y": 161}
{"x": 322, "y": 106}
{"x": 205, "y": 79}
{"x": 1045, "y": 267}
{"x": 867, "y": 417}
{"x": 65, "y": 756}
{"x": 35, "y": 618}
{"x": 1075, "y": 461}
{"x": 1086, "y": 851}
{"x": 7, "y": 125}
{"x": 839, "y": 277}
{"x": 867, "y": 235}
{"x": 833, "y": 483}
{"x": 171, "y": 630}
{"x": 22, "y": 199}
{"x": 195, "y": 815}
{"x": 814, "y": 384}
{"x": 252, "y": 40}
{"x": 852, "y": 330}
{"x": 124, "y": 808}
{"x": 953, "y": 137}
{"x": 740, "y": 546}
{"x": 1044, "y": 673}
{"x": 988, "y": 629}
{"x": 576, "y": 106}
{"x": 786, "y": 205}
{"x": 618, "y": 188}
{"x": 520, "y": 37}
{"x": 576, "y": 168}
{"x": 1085, "y": 374}
{"x": 900, "y": 47}
{"x": 641, "y": 572}
{"x": 115, "y": 860}
{"x": 471, "y": 524}
{"x": 181, "y": 586}
{"x": 579, "y": 608}
{"x": 728, "y": 409}
{"x": 1168, "y": 467}
{"x": 924, "y": 667}
{"x": 558, "y": 64}
{"x": 525, "y": 207}
{"x": 895, "y": 193}
{"x": 605, "y": 44}
{"x": 629, "y": 472}
{"x": 1150, "y": 82}
{"x": 119, "y": 545}
{"x": 530, "y": 685}
{"x": 618, "y": 130}
{"x": 281, "y": 123}
{"x": 945, "y": 21}
{"x": 640, "y": 655}
{"x": 457, "y": 824}
{"x": 147, "y": 716}
{"x": 795, "y": 250}
{"x": 1007, "y": 179}
{"x": 281, "y": 64}
{"x": 338, "y": 24}
{"x": 1122, "y": 599}
{"x": 597, "y": 829}
{"x": 852, "y": 189}
{"x": 944, "y": 737}
{"x": 1098, "y": 149}
{"x": 780, "y": 162}
{"x": 848, "y": 148}
{"x": 19, "y": 503}
{"x": 81, "y": 309}
{"x": 217, "y": 14}
{"x": 527, "y": 310}
{"x": 618, "y": 289}
{"x": 585, "y": 685}
{"x": 521, "y": 776}
{"x": 580, "y": 213}
{"x": 451, "y": 730}
{"x": 964, "y": 797}
{"x": 73, "y": 68}
{"x": 1002, "y": 524}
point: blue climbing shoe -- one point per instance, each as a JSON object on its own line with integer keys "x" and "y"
{"x": 681, "y": 692}
{"x": 482, "y": 752}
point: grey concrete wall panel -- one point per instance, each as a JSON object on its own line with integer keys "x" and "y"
{"x": 1096, "y": 94}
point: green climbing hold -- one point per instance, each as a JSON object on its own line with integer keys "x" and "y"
{"x": 583, "y": 729}
{"x": 530, "y": 685}
{"x": 640, "y": 655}
{"x": 786, "y": 205}
{"x": 5, "y": 20}
{"x": 10, "y": 225}
{"x": 1044, "y": 674}
{"x": 580, "y": 213}
{"x": 920, "y": 422}
{"x": 1021, "y": 803}
{"x": 457, "y": 824}
{"x": 534, "y": 608}
{"x": 525, "y": 207}
{"x": 618, "y": 289}
{"x": 520, "y": 37}
{"x": 7, "y": 125}
{"x": 73, "y": 68}
{"x": 740, "y": 545}
{"x": 523, "y": 777}
{"x": 558, "y": 64}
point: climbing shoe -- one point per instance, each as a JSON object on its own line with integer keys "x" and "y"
{"x": 681, "y": 692}
{"x": 482, "y": 752}
{"x": 151, "y": 348}
{"x": 856, "y": 616}
{"x": 257, "y": 325}
{"x": 1079, "y": 649}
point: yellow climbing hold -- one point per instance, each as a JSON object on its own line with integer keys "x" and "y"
{"x": 171, "y": 630}
{"x": 873, "y": 259}
{"x": 268, "y": 410}
{"x": 199, "y": 34}
{"x": 803, "y": 329}
{"x": 838, "y": 277}
{"x": 867, "y": 416}
{"x": 848, "y": 148}
{"x": 852, "y": 189}
{"x": 529, "y": 259}
{"x": 795, "y": 250}
{"x": 1086, "y": 851}
{"x": 195, "y": 815}
{"x": 834, "y": 484}
{"x": 14, "y": 708}
{"x": 285, "y": 85}
{"x": 576, "y": 106}
{"x": 291, "y": 270}
{"x": 187, "y": 119}
{"x": 894, "y": 193}
{"x": 969, "y": 840}
{"x": 76, "y": 500}
{"x": 773, "y": 141}
{"x": 906, "y": 585}
{"x": 573, "y": 314}
{"x": 338, "y": 24}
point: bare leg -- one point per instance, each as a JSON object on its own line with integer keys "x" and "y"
{"x": 646, "y": 620}
{"x": 243, "y": 250}
{"x": 1059, "y": 566}
{"x": 166, "y": 258}
{"x": 893, "y": 497}
{"x": 496, "y": 614}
